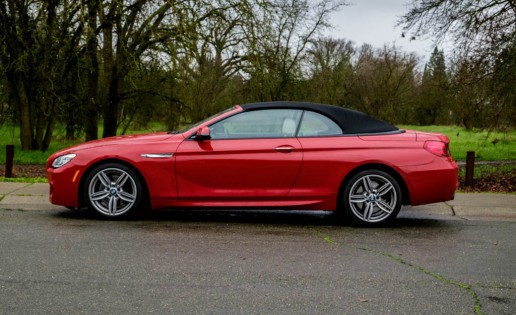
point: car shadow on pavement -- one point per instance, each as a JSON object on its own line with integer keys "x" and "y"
{"x": 275, "y": 217}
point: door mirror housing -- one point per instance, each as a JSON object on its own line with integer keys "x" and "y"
{"x": 203, "y": 134}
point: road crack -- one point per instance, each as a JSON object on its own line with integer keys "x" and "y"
{"x": 478, "y": 305}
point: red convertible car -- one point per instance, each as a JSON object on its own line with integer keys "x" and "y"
{"x": 277, "y": 155}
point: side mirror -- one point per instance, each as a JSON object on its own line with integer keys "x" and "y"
{"x": 203, "y": 134}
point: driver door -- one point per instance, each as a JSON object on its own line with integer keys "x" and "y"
{"x": 251, "y": 155}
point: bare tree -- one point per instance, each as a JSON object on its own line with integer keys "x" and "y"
{"x": 471, "y": 97}
{"x": 484, "y": 33}
{"x": 481, "y": 25}
{"x": 39, "y": 41}
{"x": 330, "y": 66}
{"x": 128, "y": 31}
{"x": 209, "y": 55}
{"x": 383, "y": 83}
{"x": 279, "y": 36}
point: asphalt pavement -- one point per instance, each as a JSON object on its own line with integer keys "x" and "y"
{"x": 471, "y": 206}
{"x": 456, "y": 257}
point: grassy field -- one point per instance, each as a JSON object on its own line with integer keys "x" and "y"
{"x": 10, "y": 135}
{"x": 488, "y": 146}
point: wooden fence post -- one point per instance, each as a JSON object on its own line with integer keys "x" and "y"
{"x": 470, "y": 168}
{"x": 9, "y": 160}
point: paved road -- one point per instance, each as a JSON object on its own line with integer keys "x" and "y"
{"x": 25, "y": 196}
{"x": 57, "y": 261}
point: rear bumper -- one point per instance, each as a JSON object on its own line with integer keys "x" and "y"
{"x": 435, "y": 182}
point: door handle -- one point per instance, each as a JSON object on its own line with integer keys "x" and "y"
{"x": 284, "y": 149}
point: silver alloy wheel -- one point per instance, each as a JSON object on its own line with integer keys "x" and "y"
{"x": 112, "y": 192}
{"x": 373, "y": 198}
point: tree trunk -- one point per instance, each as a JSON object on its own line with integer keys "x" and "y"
{"x": 24, "y": 110}
{"x": 111, "y": 106}
{"x": 49, "y": 132}
{"x": 91, "y": 122}
{"x": 40, "y": 123}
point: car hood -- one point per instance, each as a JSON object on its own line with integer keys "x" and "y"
{"x": 123, "y": 140}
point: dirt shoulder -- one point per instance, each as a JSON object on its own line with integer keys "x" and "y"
{"x": 29, "y": 171}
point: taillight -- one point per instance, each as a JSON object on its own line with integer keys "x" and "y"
{"x": 438, "y": 148}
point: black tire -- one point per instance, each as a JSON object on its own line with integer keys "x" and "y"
{"x": 113, "y": 190}
{"x": 371, "y": 198}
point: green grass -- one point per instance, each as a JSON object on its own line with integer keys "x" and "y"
{"x": 23, "y": 180}
{"x": 486, "y": 170}
{"x": 9, "y": 134}
{"x": 487, "y": 145}
{"x": 504, "y": 147}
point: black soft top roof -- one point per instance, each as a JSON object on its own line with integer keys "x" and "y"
{"x": 351, "y": 121}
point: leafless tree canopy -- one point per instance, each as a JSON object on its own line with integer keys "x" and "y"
{"x": 485, "y": 27}
{"x": 77, "y": 64}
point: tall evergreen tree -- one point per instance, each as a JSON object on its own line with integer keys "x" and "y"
{"x": 434, "y": 98}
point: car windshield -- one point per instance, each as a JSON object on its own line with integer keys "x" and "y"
{"x": 190, "y": 126}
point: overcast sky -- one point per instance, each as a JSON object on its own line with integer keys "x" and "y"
{"x": 374, "y": 22}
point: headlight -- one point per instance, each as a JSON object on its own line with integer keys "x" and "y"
{"x": 62, "y": 160}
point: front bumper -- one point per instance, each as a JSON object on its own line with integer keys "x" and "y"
{"x": 64, "y": 185}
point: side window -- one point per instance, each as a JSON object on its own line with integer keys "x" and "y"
{"x": 315, "y": 124}
{"x": 266, "y": 123}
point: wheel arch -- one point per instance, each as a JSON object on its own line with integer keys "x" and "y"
{"x": 82, "y": 183}
{"x": 381, "y": 167}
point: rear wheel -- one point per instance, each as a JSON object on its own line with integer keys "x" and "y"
{"x": 113, "y": 190}
{"x": 371, "y": 198}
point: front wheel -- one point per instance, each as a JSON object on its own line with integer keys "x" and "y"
{"x": 371, "y": 198}
{"x": 113, "y": 190}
